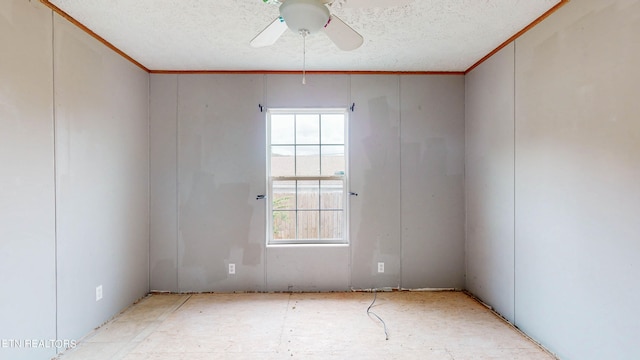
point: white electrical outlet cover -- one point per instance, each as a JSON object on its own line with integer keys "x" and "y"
{"x": 99, "y": 293}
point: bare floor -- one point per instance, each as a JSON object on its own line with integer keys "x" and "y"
{"x": 421, "y": 325}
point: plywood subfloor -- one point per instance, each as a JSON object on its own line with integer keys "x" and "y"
{"x": 421, "y": 325}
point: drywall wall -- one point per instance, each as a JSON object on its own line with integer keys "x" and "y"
{"x": 27, "y": 193}
{"x": 374, "y": 135}
{"x": 101, "y": 153}
{"x": 489, "y": 185}
{"x": 576, "y": 194}
{"x": 577, "y": 175}
{"x": 221, "y": 153}
{"x": 214, "y": 125}
{"x": 74, "y": 181}
{"x": 163, "y": 187}
{"x": 432, "y": 181}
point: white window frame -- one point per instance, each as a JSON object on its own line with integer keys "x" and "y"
{"x": 344, "y": 178}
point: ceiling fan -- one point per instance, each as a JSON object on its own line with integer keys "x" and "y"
{"x": 307, "y": 17}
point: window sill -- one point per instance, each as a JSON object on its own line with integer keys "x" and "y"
{"x": 307, "y": 245}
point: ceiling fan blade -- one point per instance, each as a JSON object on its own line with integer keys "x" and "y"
{"x": 270, "y": 34}
{"x": 374, "y": 3}
{"x": 342, "y": 34}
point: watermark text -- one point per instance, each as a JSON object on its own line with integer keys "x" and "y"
{"x": 37, "y": 343}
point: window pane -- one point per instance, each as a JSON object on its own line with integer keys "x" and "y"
{"x": 333, "y": 160}
{"x": 284, "y": 225}
{"x": 308, "y": 160}
{"x": 331, "y": 225}
{"x": 308, "y": 225}
{"x": 308, "y": 129}
{"x": 284, "y": 195}
{"x": 331, "y": 194}
{"x": 308, "y": 194}
{"x": 282, "y": 129}
{"x": 332, "y": 129}
{"x": 283, "y": 161}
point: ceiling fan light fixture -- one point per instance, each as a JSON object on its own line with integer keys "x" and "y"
{"x": 304, "y": 15}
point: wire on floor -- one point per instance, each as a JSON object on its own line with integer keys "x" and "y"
{"x": 369, "y": 312}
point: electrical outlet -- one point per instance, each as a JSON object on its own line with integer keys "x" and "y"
{"x": 232, "y": 269}
{"x": 380, "y": 267}
{"x": 99, "y": 293}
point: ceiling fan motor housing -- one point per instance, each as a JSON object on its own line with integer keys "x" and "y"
{"x": 304, "y": 15}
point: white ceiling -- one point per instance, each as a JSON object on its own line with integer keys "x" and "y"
{"x": 423, "y": 35}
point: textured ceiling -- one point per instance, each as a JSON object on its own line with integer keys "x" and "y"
{"x": 422, "y": 35}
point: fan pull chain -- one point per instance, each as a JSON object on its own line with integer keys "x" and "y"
{"x": 304, "y": 34}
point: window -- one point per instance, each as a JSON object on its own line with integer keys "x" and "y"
{"x": 307, "y": 171}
